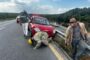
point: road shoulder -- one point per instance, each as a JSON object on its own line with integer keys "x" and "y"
{"x": 60, "y": 55}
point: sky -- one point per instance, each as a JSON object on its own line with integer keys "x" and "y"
{"x": 42, "y": 6}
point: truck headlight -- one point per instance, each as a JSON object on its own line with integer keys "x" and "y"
{"x": 54, "y": 31}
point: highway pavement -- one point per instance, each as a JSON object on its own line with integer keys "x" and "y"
{"x": 13, "y": 46}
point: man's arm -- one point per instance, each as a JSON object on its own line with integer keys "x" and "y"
{"x": 67, "y": 36}
{"x": 85, "y": 31}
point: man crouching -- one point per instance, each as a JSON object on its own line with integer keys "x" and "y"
{"x": 40, "y": 37}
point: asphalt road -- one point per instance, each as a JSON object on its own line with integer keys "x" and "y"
{"x": 13, "y": 45}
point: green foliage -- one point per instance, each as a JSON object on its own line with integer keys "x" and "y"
{"x": 81, "y": 14}
{"x": 51, "y": 17}
{"x": 4, "y": 16}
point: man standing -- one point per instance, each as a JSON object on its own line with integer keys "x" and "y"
{"x": 74, "y": 34}
{"x": 24, "y": 21}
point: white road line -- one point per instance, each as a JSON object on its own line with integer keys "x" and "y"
{"x": 4, "y": 24}
{"x": 58, "y": 56}
{"x": 1, "y": 28}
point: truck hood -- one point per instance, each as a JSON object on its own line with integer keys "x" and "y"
{"x": 42, "y": 27}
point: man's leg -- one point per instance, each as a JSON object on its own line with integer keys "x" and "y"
{"x": 74, "y": 52}
{"x": 37, "y": 45}
{"x": 80, "y": 51}
{"x": 74, "y": 46}
{"x": 26, "y": 29}
{"x": 23, "y": 27}
{"x": 45, "y": 42}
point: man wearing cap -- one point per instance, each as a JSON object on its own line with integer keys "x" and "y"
{"x": 75, "y": 32}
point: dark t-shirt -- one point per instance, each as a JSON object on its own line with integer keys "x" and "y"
{"x": 24, "y": 19}
{"x": 76, "y": 33}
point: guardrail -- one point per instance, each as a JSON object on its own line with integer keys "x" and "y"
{"x": 63, "y": 34}
{"x": 60, "y": 39}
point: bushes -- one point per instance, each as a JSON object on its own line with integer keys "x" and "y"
{"x": 4, "y": 16}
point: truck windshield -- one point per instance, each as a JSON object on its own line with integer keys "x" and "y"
{"x": 38, "y": 20}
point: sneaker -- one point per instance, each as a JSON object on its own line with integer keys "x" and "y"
{"x": 26, "y": 37}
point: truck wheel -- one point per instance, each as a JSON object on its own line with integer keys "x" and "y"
{"x": 34, "y": 43}
{"x": 29, "y": 32}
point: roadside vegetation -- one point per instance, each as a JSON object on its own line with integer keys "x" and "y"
{"x": 7, "y": 16}
{"x": 82, "y": 14}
